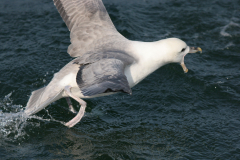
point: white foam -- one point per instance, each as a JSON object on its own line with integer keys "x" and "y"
{"x": 11, "y": 118}
{"x": 231, "y": 24}
{"x": 13, "y": 121}
{"x": 229, "y": 45}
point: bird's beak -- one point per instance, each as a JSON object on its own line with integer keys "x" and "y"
{"x": 192, "y": 50}
{"x": 195, "y": 50}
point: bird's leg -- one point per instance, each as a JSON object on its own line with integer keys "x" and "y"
{"x": 70, "y": 105}
{"x": 80, "y": 114}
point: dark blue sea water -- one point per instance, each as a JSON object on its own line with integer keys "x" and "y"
{"x": 171, "y": 115}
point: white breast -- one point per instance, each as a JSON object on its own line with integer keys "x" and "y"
{"x": 149, "y": 57}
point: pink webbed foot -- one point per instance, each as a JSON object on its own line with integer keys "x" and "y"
{"x": 80, "y": 114}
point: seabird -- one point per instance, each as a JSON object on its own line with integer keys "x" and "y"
{"x": 106, "y": 62}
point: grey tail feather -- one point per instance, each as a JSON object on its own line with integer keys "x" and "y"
{"x": 33, "y": 101}
{"x": 39, "y": 100}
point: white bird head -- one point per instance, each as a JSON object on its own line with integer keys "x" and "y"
{"x": 175, "y": 50}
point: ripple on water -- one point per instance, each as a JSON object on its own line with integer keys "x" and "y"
{"x": 230, "y": 26}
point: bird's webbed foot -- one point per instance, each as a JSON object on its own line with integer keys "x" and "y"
{"x": 80, "y": 114}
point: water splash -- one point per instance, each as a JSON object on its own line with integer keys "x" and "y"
{"x": 12, "y": 124}
{"x": 13, "y": 120}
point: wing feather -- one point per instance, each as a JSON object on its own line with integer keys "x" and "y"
{"x": 106, "y": 75}
{"x": 90, "y": 26}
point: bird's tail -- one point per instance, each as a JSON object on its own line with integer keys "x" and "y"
{"x": 38, "y": 100}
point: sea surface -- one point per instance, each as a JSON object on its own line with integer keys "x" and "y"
{"x": 170, "y": 115}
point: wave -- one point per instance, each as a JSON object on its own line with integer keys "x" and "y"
{"x": 231, "y": 24}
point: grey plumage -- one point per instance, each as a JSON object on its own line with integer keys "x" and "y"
{"x": 90, "y": 26}
{"x": 40, "y": 99}
{"x": 36, "y": 95}
{"x": 92, "y": 57}
{"x": 106, "y": 75}
{"x": 103, "y": 72}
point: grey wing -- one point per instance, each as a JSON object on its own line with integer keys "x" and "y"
{"x": 90, "y": 26}
{"x": 92, "y": 57}
{"x": 41, "y": 98}
{"x": 106, "y": 75}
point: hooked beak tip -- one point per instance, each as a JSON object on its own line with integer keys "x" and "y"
{"x": 184, "y": 68}
{"x": 199, "y": 49}
{"x": 195, "y": 50}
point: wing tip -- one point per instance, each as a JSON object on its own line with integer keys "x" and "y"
{"x": 33, "y": 101}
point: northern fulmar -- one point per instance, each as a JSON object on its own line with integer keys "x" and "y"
{"x": 106, "y": 62}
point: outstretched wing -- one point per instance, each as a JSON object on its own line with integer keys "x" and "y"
{"x": 106, "y": 75}
{"x": 41, "y": 98}
{"x": 90, "y": 26}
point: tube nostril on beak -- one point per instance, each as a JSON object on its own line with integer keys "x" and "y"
{"x": 195, "y": 50}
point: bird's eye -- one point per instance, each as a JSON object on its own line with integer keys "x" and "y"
{"x": 183, "y": 49}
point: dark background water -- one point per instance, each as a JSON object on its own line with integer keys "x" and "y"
{"x": 171, "y": 115}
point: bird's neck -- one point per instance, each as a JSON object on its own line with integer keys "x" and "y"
{"x": 150, "y": 56}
